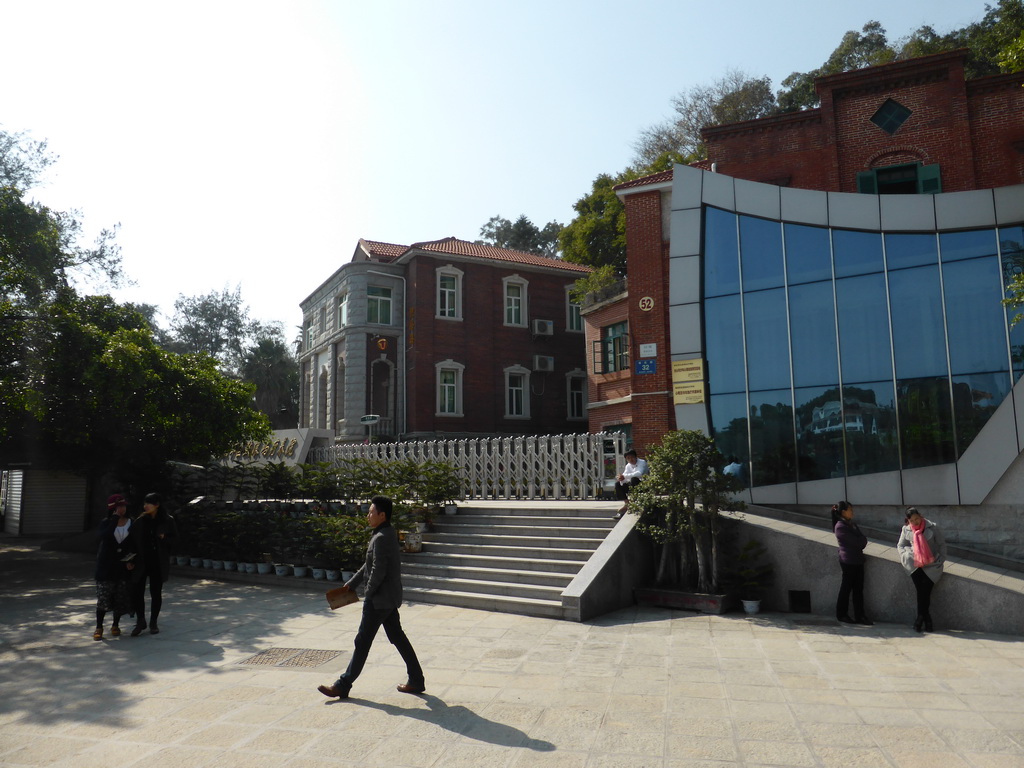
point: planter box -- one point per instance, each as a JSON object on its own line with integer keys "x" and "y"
{"x": 668, "y": 597}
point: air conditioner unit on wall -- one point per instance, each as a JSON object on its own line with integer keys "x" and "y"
{"x": 543, "y": 363}
{"x": 543, "y": 327}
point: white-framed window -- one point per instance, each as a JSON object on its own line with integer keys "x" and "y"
{"x": 515, "y": 300}
{"x": 573, "y": 317}
{"x": 449, "y": 293}
{"x": 517, "y": 392}
{"x": 576, "y": 394}
{"x": 342, "y": 318}
{"x": 310, "y": 334}
{"x": 448, "y": 375}
{"x": 378, "y": 305}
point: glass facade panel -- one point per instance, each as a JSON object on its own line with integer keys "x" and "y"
{"x": 974, "y": 317}
{"x": 864, "y": 350}
{"x": 729, "y": 429}
{"x": 723, "y": 330}
{"x": 856, "y": 253}
{"x": 910, "y": 250}
{"x": 975, "y": 399}
{"x": 954, "y": 246}
{"x": 819, "y": 433}
{"x": 1011, "y": 246}
{"x": 919, "y": 339}
{"x": 823, "y": 315}
{"x": 926, "y": 421}
{"x": 760, "y": 253}
{"x": 813, "y": 330}
{"x": 808, "y": 254}
{"x": 772, "y": 447}
{"x": 767, "y": 345}
{"x": 869, "y": 427}
{"x": 721, "y": 253}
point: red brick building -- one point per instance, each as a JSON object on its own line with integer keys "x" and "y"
{"x": 913, "y": 126}
{"x": 444, "y": 339}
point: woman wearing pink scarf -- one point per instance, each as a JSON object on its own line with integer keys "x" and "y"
{"x": 922, "y": 549}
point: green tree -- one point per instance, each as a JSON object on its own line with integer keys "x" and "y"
{"x": 856, "y": 50}
{"x": 271, "y": 367}
{"x": 521, "y": 235}
{"x": 1011, "y": 59}
{"x": 96, "y": 394}
{"x": 216, "y": 323}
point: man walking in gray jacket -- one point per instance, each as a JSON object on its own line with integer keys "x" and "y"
{"x": 383, "y": 596}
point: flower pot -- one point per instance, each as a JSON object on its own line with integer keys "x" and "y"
{"x": 264, "y": 568}
{"x": 195, "y": 562}
{"x": 319, "y": 573}
{"x": 249, "y": 567}
{"x": 752, "y": 606}
{"x": 207, "y": 562}
{"x": 230, "y": 565}
{"x": 333, "y": 574}
{"x": 217, "y": 565}
{"x": 450, "y": 509}
{"x": 300, "y": 571}
{"x": 182, "y": 559}
{"x": 413, "y": 542}
{"x": 282, "y": 570}
{"x": 347, "y": 575}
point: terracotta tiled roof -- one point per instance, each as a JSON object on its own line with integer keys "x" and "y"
{"x": 456, "y": 247}
{"x": 655, "y": 178}
{"x": 382, "y": 251}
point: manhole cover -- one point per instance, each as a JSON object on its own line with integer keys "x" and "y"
{"x": 291, "y": 657}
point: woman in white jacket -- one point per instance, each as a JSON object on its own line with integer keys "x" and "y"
{"x": 922, "y": 549}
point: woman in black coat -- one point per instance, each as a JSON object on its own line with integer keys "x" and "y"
{"x": 851, "y": 560}
{"x": 154, "y": 530}
{"x": 113, "y": 565}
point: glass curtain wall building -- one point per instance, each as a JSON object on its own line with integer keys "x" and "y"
{"x": 849, "y": 336}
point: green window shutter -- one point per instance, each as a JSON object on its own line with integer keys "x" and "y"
{"x": 598, "y": 356}
{"x": 929, "y": 179}
{"x": 866, "y": 183}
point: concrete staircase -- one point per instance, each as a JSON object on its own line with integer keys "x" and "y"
{"x": 509, "y": 557}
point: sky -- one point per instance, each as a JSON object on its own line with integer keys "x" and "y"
{"x": 251, "y": 143}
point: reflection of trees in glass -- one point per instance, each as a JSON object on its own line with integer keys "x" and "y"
{"x": 926, "y": 423}
{"x": 773, "y": 455}
{"x": 732, "y": 440}
{"x": 1011, "y": 244}
{"x": 972, "y": 408}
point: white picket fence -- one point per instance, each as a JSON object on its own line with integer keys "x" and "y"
{"x": 529, "y": 467}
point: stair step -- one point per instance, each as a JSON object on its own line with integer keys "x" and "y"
{"x": 439, "y": 546}
{"x": 530, "y": 521}
{"x": 535, "y": 542}
{"x": 502, "y": 588}
{"x": 497, "y": 529}
{"x": 486, "y": 573}
{"x": 429, "y": 556}
{"x": 524, "y": 607}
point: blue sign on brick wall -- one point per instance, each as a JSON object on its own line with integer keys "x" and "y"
{"x": 646, "y": 366}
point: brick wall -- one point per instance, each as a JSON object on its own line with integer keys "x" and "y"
{"x": 974, "y": 130}
{"x": 486, "y": 346}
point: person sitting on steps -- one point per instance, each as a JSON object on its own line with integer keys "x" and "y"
{"x": 634, "y": 470}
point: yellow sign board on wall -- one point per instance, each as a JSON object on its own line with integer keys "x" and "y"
{"x": 687, "y": 382}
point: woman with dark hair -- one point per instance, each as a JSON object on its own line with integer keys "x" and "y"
{"x": 113, "y": 564}
{"x": 851, "y": 561}
{"x": 154, "y": 530}
{"x": 922, "y": 549}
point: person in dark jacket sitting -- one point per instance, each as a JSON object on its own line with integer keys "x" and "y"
{"x": 851, "y": 559}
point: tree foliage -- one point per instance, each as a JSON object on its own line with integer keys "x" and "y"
{"x": 271, "y": 367}
{"x": 733, "y": 98}
{"x": 84, "y": 384}
{"x": 521, "y": 235}
{"x": 680, "y": 501}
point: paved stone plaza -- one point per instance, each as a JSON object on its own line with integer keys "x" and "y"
{"x": 231, "y": 681}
